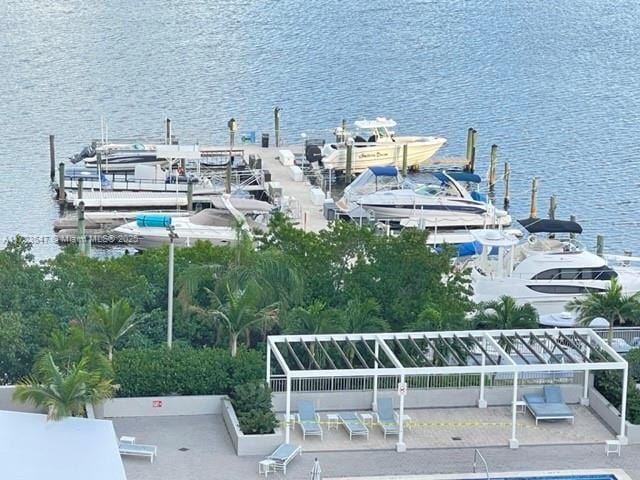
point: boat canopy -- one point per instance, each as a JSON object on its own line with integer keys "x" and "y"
{"x": 494, "y": 238}
{"x": 384, "y": 171}
{"x": 543, "y": 225}
{"x": 379, "y": 122}
{"x": 465, "y": 177}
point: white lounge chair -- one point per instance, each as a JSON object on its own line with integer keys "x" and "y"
{"x": 353, "y": 424}
{"x": 128, "y": 446}
{"x": 284, "y": 454}
{"x": 308, "y": 419}
{"x": 387, "y": 417}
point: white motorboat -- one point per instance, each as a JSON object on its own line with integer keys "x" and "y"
{"x": 220, "y": 227}
{"x": 375, "y": 145}
{"x": 440, "y": 201}
{"x": 569, "y": 320}
{"x": 545, "y": 272}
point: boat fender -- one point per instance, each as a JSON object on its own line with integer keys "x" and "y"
{"x": 532, "y": 239}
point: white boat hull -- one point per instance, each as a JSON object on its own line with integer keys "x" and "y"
{"x": 419, "y": 150}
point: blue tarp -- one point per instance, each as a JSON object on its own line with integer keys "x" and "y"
{"x": 465, "y": 177}
{"x": 384, "y": 171}
{"x": 479, "y": 197}
{"x": 153, "y": 220}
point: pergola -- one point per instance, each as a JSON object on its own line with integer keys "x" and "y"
{"x": 511, "y": 352}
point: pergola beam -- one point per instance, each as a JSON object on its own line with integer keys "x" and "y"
{"x": 436, "y": 351}
{"x": 371, "y": 352}
{"x": 466, "y": 349}
{"x": 531, "y": 349}
{"x": 560, "y": 347}
{"x": 360, "y": 358}
{"x": 404, "y": 352}
{"x": 293, "y": 353}
{"x": 310, "y": 353}
{"x": 452, "y": 350}
{"x": 329, "y": 359}
{"x": 482, "y": 349}
{"x": 419, "y": 350}
{"x": 513, "y": 347}
{"x": 344, "y": 357}
{"x": 552, "y": 358}
{"x": 574, "y": 346}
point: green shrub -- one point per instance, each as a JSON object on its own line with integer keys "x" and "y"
{"x": 609, "y": 384}
{"x": 252, "y": 403}
{"x": 183, "y": 370}
{"x": 633, "y": 358}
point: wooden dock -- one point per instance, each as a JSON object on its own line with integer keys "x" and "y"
{"x": 298, "y": 194}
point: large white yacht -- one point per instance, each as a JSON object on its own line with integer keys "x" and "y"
{"x": 375, "y": 144}
{"x": 438, "y": 201}
{"x": 545, "y": 272}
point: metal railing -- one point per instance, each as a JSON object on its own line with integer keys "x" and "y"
{"x": 476, "y": 455}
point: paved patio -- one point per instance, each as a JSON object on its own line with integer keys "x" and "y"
{"x": 464, "y": 427}
{"x": 209, "y": 455}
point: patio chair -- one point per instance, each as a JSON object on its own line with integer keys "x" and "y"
{"x": 308, "y": 419}
{"x": 353, "y": 424}
{"x": 549, "y": 406}
{"x": 284, "y": 454}
{"x": 128, "y": 446}
{"x": 387, "y": 417}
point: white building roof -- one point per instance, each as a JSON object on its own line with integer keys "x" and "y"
{"x": 31, "y": 448}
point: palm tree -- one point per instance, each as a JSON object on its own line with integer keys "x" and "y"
{"x": 239, "y": 309}
{"x": 313, "y": 319}
{"x": 612, "y": 304}
{"x": 362, "y": 316}
{"x": 62, "y": 392}
{"x": 505, "y": 314}
{"x": 111, "y": 322}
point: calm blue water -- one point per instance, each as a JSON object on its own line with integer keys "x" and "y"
{"x": 554, "y": 84}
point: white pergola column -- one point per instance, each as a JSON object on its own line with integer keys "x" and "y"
{"x": 269, "y": 364}
{"x": 623, "y": 407}
{"x": 374, "y": 402}
{"x": 401, "y": 446}
{"x": 287, "y": 410}
{"x": 584, "y": 400}
{"x": 482, "y": 403}
{"x": 513, "y": 441}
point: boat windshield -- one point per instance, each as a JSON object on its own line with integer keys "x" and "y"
{"x": 430, "y": 185}
{"x": 376, "y": 179}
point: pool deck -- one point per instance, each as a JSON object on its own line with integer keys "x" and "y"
{"x": 210, "y": 455}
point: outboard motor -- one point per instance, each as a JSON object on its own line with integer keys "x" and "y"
{"x": 86, "y": 152}
{"x": 314, "y": 155}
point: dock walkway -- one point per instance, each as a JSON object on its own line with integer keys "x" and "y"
{"x": 309, "y": 216}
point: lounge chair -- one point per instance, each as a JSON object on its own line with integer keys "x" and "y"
{"x": 353, "y": 424}
{"x": 308, "y": 419}
{"x": 128, "y": 446}
{"x": 284, "y": 454}
{"x": 387, "y": 417}
{"x": 549, "y": 406}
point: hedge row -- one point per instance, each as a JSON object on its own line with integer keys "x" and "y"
{"x": 184, "y": 370}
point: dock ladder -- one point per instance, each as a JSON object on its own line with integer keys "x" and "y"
{"x": 476, "y": 454}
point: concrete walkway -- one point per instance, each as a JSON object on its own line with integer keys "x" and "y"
{"x": 209, "y": 455}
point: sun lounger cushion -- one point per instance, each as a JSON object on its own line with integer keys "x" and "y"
{"x": 553, "y": 394}
{"x": 284, "y": 454}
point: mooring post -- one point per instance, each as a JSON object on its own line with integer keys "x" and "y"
{"x": 405, "y": 159}
{"x": 552, "y": 207}
{"x": 81, "y": 229}
{"x": 507, "y": 193}
{"x": 493, "y": 173}
{"x": 80, "y": 188}
{"x": 472, "y": 162}
{"x": 469, "y": 144}
{"x": 349, "y": 166}
{"x": 52, "y": 157}
{"x": 61, "y": 192}
{"x": 572, "y": 218}
{"x": 600, "y": 245}
{"x": 533, "y": 211}
{"x": 190, "y": 196}
{"x": 233, "y": 126}
{"x": 167, "y": 131}
{"x": 276, "y": 124}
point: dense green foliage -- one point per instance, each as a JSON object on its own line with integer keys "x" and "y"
{"x": 184, "y": 370}
{"x": 252, "y": 404}
{"x": 345, "y": 279}
{"x": 609, "y": 384}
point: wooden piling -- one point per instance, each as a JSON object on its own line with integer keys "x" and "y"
{"x": 349, "y": 166}
{"x": 533, "y": 211}
{"x": 600, "y": 245}
{"x": 507, "y": 193}
{"x": 552, "y": 207}
{"x": 233, "y": 126}
{"x": 276, "y": 124}
{"x": 167, "y": 131}
{"x": 81, "y": 229}
{"x": 493, "y": 168}
{"x": 343, "y": 132}
{"x": 469, "y": 145}
{"x": 190, "y": 197}
{"x": 472, "y": 161}
{"x": 61, "y": 192}
{"x": 52, "y": 157}
{"x": 80, "y": 188}
{"x": 405, "y": 159}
